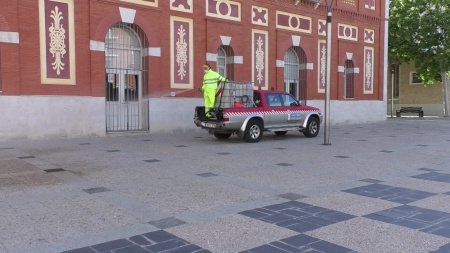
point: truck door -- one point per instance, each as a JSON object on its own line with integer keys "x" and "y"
{"x": 294, "y": 115}
{"x": 276, "y": 115}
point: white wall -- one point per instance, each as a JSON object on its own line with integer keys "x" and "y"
{"x": 171, "y": 114}
{"x": 353, "y": 112}
{"x": 33, "y": 117}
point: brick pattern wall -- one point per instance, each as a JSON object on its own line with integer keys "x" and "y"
{"x": 93, "y": 19}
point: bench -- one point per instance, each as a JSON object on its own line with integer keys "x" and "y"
{"x": 410, "y": 110}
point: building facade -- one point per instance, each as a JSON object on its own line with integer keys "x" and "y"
{"x": 89, "y": 67}
{"x": 409, "y": 91}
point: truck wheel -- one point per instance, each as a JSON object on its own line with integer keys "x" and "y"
{"x": 222, "y": 136}
{"x": 312, "y": 128}
{"x": 280, "y": 132}
{"x": 253, "y": 131}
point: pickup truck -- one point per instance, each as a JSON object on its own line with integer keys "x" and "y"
{"x": 263, "y": 110}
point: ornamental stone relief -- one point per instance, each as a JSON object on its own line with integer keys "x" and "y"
{"x": 181, "y": 55}
{"x": 260, "y": 59}
{"x": 368, "y": 70}
{"x": 57, "y": 44}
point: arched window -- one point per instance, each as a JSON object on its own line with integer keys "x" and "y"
{"x": 225, "y": 61}
{"x": 221, "y": 62}
{"x": 349, "y": 91}
{"x": 295, "y": 73}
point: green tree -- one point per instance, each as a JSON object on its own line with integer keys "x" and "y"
{"x": 419, "y": 32}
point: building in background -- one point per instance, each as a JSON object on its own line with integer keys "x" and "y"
{"x": 89, "y": 67}
{"x": 409, "y": 91}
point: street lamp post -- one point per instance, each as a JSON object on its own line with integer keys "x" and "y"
{"x": 441, "y": 51}
{"x": 392, "y": 88}
{"x": 326, "y": 140}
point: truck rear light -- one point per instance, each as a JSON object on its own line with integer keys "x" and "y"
{"x": 225, "y": 117}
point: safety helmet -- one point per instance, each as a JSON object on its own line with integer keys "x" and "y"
{"x": 206, "y": 67}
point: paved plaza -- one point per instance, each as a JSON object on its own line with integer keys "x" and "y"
{"x": 382, "y": 187}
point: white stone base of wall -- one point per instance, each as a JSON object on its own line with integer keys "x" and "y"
{"x": 34, "y": 117}
{"x": 173, "y": 115}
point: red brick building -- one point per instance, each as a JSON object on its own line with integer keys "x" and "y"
{"x": 88, "y": 67}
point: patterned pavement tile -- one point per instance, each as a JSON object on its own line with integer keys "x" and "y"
{"x": 420, "y": 185}
{"x": 438, "y": 203}
{"x": 232, "y": 233}
{"x": 155, "y": 242}
{"x": 300, "y": 243}
{"x": 297, "y": 216}
{"x": 366, "y": 235}
{"x": 395, "y": 194}
{"x": 423, "y": 219}
{"x": 350, "y": 203}
{"x": 443, "y": 249}
{"x": 435, "y": 176}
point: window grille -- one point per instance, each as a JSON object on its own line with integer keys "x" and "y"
{"x": 295, "y": 73}
{"x": 349, "y": 91}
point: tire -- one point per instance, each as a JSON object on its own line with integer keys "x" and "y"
{"x": 253, "y": 131}
{"x": 312, "y": 128}
{"x": 280, "y": 132}
{"x": 222, "y": 136}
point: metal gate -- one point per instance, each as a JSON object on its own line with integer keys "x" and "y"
{"x": 295, "y": 73}
{"x": 348, "y": 79}
{"x": 126, "y": 106}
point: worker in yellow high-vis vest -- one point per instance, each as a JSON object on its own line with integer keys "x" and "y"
{"x": 210, "y": 80}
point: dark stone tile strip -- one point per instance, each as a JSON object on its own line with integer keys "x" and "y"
{"x": 426, "y": 169}
{"x": 167, "y": 223}
{"x": 207, "y": 174}
{"x": 152, "y": 161}
{"x": 96, "y": 190}
{"x": 155, "y": 242}
{"x": 434, "y": 176}
{"x": 284, "y": 164}
{"x": 370, "y": 180}
{"x": 292, "y": 196}
{"x": 390, "y": 193}
{"x": 54, "y": 170}
{"x": 26, "y": 157}
{"x": 300, "y": 243}
{"x": 6, "y": 148}
{"x": 297, "y": 216}
{"x": 422, "y": 219}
